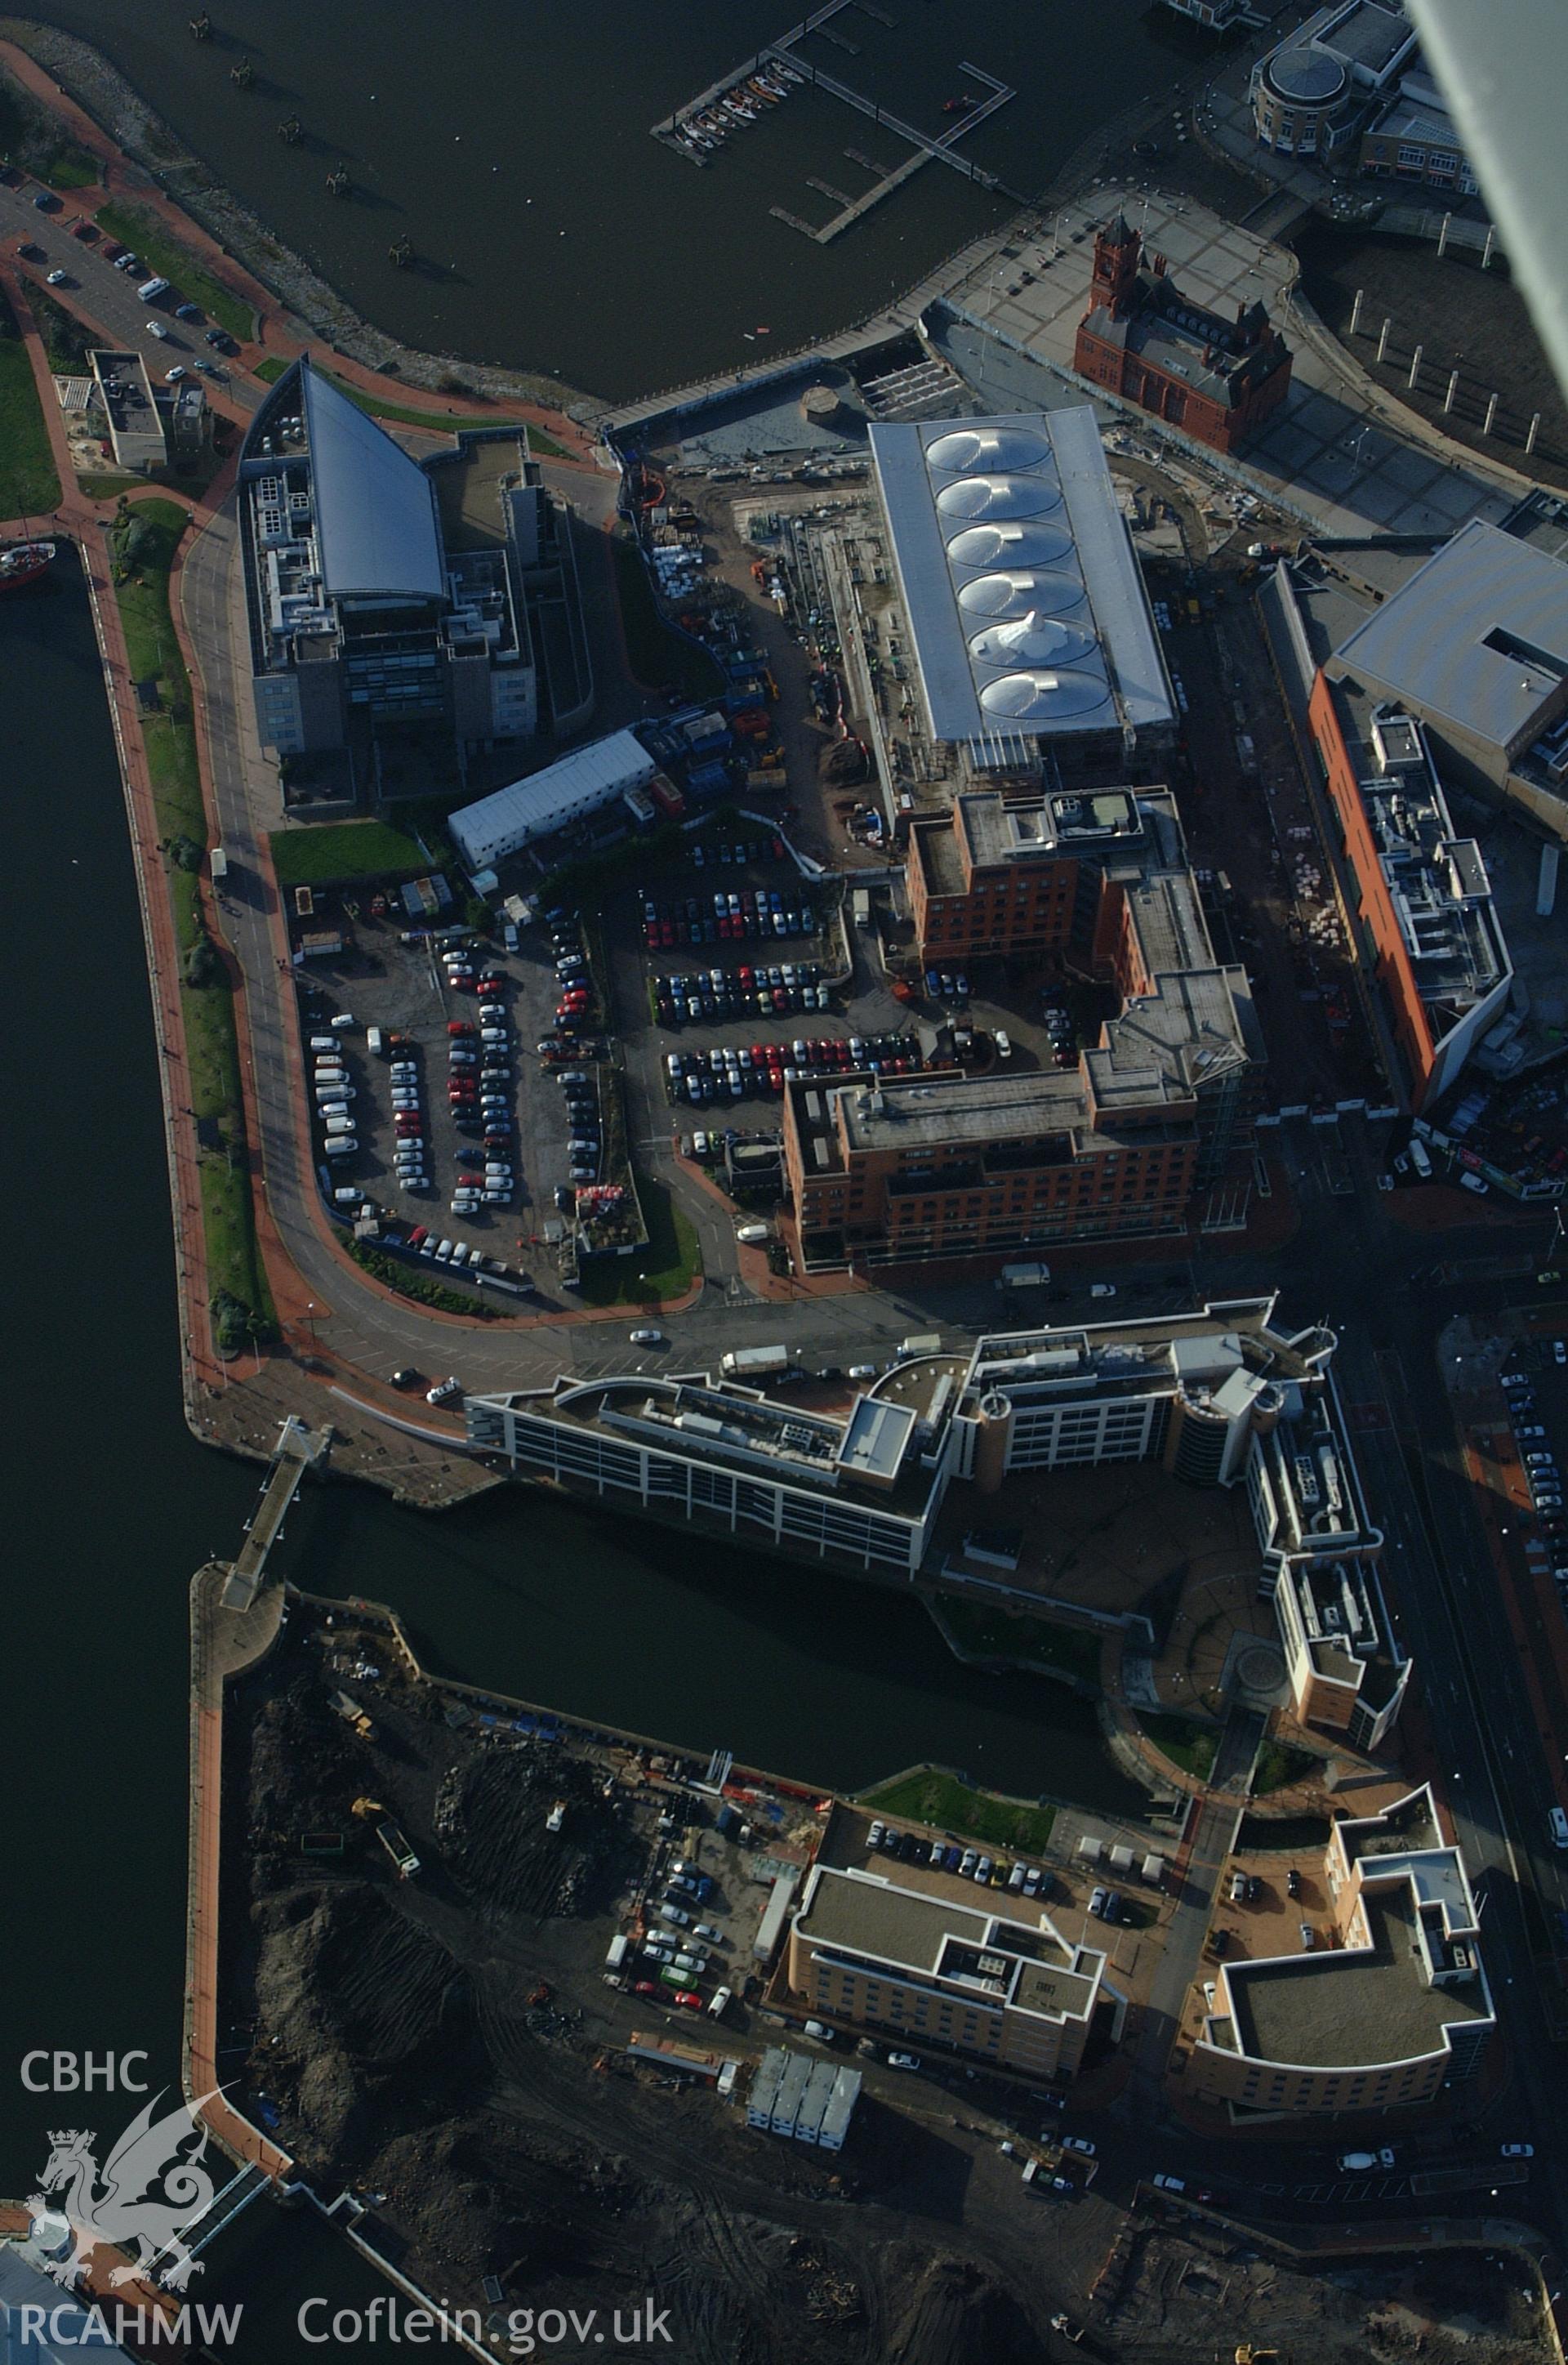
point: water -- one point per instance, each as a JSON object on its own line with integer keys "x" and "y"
{"x": 112, "y": 1503}
{"x": 512, "y": 148}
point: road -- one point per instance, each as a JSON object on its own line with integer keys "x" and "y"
{"x": 107, "y": 298}
{"x": 1441, "y": 1582}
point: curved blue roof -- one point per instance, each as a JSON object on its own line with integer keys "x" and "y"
{"x": 375, "y": 516}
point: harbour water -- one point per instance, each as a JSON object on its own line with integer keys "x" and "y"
{"x": 112, "y": 1503}
{"x": 511, "y": 147}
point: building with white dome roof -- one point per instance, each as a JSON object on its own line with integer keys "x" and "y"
{"x": 1032, "y": 630}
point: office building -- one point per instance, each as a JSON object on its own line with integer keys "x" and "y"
{"x": 1414, "y": 139}
{"x": 1429, "y": 930}
{"x": 862, "y": 1490}
{"x": 1312, "y": 91}
{"x": 1474, "y": 646}
{"x": 1395, "y": 2010}
{"x": 1141, "y": 339}
{"x": 908, "y": 1170}
{"x": 1219, "y": 1398}
{"x": 361, "y": 621}
{"x": 1031, "y": 633}
{"x": 1426, "y": 929}
{"x": 1000, "y": 1985}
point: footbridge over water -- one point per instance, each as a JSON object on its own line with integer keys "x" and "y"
{"x": 297, "y": 1449}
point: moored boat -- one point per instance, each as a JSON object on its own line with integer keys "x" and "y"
{"x": 23, "y": 562}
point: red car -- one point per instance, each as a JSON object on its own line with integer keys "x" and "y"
{"x": 644, "y": 1987}
{"x": 689, "y": 2002}
{"x": 651, "y": 939}
{"x": 459, "y": 1026}
{"x": 489, "y": 987}
{"x": 667, "y": 934}
{"x": 778, "y": 849}
{"x": 462, "y": 985}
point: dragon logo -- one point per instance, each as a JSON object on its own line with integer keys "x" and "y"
{"x": 150, "y": 2187}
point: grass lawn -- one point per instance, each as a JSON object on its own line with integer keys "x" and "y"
{"x": 982, "y": 1631}
{"x": 71, "y": 167}
{"x": 543, "y": 446}
{"x": 168, "y": 260}
{"x": 949, "y": 1805}
{"x": 144, "y": 547}
{"x": 99, "y": 488}
{"x": 1279, "y": 1765}
{"x": 1192, "y": 1746}
{"x": 30, "y": 485}
{"x": 321, "y": 857}
{"x": 666, "y": 1268}
{"x": 659, "y": 659}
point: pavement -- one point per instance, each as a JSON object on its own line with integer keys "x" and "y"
{"x": 1335, "y": 452}
{"x": 1493, "y": 1769}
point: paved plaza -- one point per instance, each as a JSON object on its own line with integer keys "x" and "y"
{"x": 1326, "y": 453}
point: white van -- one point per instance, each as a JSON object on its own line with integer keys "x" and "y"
{"x": 324, "y": 1043}
{"x": 1557, "y": 1827}
{"x": 1419, "y": 1159}
{"x": 342, "y": 1145}
{"x": 151, "y": 289}
{"x": 338, "y": 1126}
{"x": 719, "y": 2003}
{"x": 375, "y": 1041}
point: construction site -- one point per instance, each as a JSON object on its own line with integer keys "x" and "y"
{"x": 432, "y": 1904}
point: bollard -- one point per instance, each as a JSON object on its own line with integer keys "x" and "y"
{"x": 1534, "y": 429}
{"x": 1415, "y": 368}
{"x": 1443, "y": 235}
{"x": 1486, "y": 250}
{"x": 1453, "y": 389}
{"x": 1491, "y": 415}
{"x": 1356, "y": 311}
{"x": 1383, "y": 337}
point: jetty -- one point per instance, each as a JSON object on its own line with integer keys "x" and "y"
{"x": 297, "y": 1449}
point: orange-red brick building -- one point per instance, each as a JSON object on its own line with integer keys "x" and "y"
{"x": 1141, "y": 339}
{"x": 949, "y": 1166}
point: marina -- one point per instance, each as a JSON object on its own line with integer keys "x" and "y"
{"x": 700, "y": 128}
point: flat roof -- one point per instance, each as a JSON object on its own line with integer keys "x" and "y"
{"x": 1477, "y": 637}
{"x": 876, "y": 1439}
{"x": 1018, "y": 576}
{"x": 1352, "y": 2007}
{"x": 1036, "y": 1969}
{"x": 498, "y": 825}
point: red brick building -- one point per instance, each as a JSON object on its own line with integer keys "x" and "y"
{"x": 1140, "y": 338}
{"x": 942, "y": 1167}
